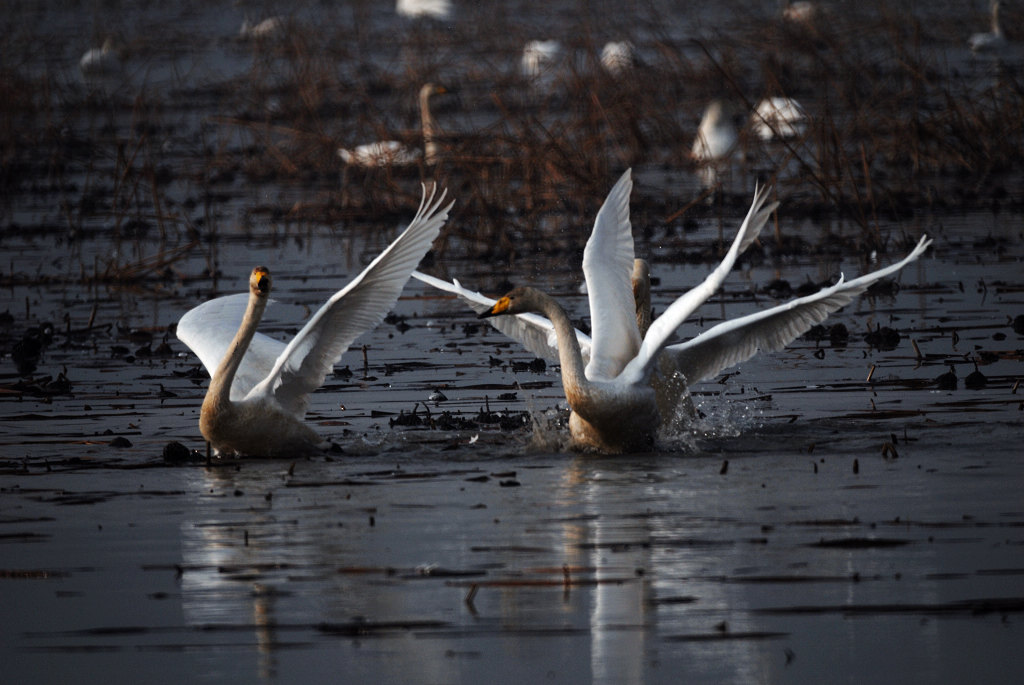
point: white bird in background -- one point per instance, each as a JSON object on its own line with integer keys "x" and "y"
{"x": 260, "y": 386}
{"x": 271, "y": 27}
{"x": 610, "y": 380}
{"x": 102, "y": 60}
{"x": 395, "y": 153}
{"x": 433, "y": 9}
{"x": 801, "y": 11}
{"x": 540, "y": 57}
{"x": 618, "y": 57}
{"x": 715, "y": 143}
{"x": 993, "y": 41}
{"x": 778, "y": 118}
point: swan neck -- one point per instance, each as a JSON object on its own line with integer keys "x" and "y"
{"x": 430, "y": 148}
{"x": 995, "y": 19}
{"x": 220, "y": 386}
{"x": 569, "y": 356}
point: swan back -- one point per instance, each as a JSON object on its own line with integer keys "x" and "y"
{"x": 380, "y": 154}
{"x": 778, "y": 117}
{"x": 102, "y": 60}
{"x": 618, "y": 57}
{"x": 716, "y": 135}
{"x": 431, "y": 9}
{"x": 540, "y": 57}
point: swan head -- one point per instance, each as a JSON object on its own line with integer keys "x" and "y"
{"x": 429, "y": 89}
{"x": 259, "y": 282}
{"x": 515, "y": 301}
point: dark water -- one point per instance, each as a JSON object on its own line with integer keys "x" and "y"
{"x": 834, "y": 516}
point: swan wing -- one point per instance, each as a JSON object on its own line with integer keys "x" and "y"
{"x": 737, "y": 340}
{"x": 355, "y": 309}
{"x": 608, "y": 268}
{"x": 381, "y": 153}
{"x": 533, "y": 331}
{"x": 208, "y": 331}
{"x": 665, "y": 325}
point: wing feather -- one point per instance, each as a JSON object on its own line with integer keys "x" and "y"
{"x": 673, "y": 317}
{"x": 608, "y": 269}
{"x": 532, "y": 331}
{"x": 208, "y": 331}
{"x": 355, "y": 309}
{"x": 737, "y": 340}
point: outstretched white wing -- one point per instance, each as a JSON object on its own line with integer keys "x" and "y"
{"x": 532, "y": 331}
{"x": 737, "y": 340}
{"x": 292, "y": 371}
{"x": 608, "y": 269}
{"x": 355, "y": 309}
{"x": 673, "y": 317}
{"x": 208, "y": 330}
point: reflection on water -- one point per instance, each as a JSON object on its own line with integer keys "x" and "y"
{"x": 650, "y": 566}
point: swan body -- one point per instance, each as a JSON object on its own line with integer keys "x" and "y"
{"x": 260, "y": 387}
{"x": 993, "y": 41}
{"x": 715, "y": 142}
{"x": 540, "y": 57}
{"x": 627, "y": 370}
{"x": 800, "y": 11}
{"x": 432, "y": 9}
{"x": 381, "y": 154}
{"x": 271, "y": 27}
{"x": 607, "y": 416}
{"x": 618, "y": 57}
{"x": 395, "y": 153}
{"x": 102, "y": 60}
{"x": 778, "y": 117}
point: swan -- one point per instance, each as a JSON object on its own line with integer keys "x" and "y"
{"x": 102, "y": 60}
{"x": 778, "y": 117}
{"x": 622, "y": 385}
{"x": 618, "y": 57}
{"x": 993, "y": 41}
{"x": 801, "y": 11}
{"x": 260, "y": 387}
{"x": 395, "y": 153}
{"x": 715, "y": 142}
{"x": 540, "y": 57}
{"x": 433, "y": 9}
{"x": 272, "y": 27}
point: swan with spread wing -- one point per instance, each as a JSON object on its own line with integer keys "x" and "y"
{"x": 623, "y": 386}
{"x": 259, "y": 388}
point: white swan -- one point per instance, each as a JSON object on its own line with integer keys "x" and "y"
{"x": 777, "y": 118}
{"x": 395, "y": 153}
{"x": 993, "y": 41}
{"x": 618, "y": 57}
{"x": 800, "y": 11}
{"x": 260, "y": 387}
{"x": 540, "y": 58}
{"x": 715, "y": 142}
{"x": 102, "y": 60}
{"x": 271, "y": 27}
{"x": 615, "y": 396}
{"x": 433, "y": 9}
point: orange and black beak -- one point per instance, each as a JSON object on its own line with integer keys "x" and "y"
{"x": 261, "y": 279}
{"x": 499, "y": 308}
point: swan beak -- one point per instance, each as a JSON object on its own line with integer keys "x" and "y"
{"x": 260, "y": 280}
{"x": 499, "y": 308}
